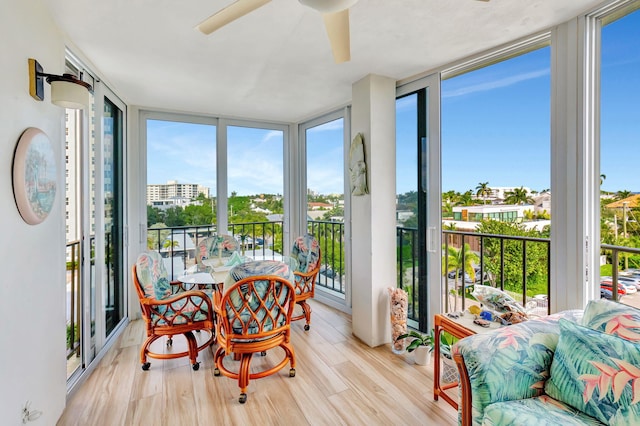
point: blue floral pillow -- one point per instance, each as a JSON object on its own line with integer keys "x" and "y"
{"x": 613, "y": 318}
{"x": 596, "y": 373}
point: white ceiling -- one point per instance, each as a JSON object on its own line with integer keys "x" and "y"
{"x": 276, "y": 63}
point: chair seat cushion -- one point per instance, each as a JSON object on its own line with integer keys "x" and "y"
{"x": 539, "y": 411}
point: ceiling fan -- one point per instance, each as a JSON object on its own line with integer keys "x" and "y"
{"x": 334, "y": 12}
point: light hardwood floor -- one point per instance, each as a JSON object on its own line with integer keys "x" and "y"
{"x": 339, "y": 381}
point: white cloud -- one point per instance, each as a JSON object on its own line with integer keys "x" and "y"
{"x": 490, "y": 85}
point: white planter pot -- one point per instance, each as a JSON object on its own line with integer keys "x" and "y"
{"x": 422, "y": 355}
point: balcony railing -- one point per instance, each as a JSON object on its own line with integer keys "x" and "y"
{"x": 262, "y": 240}
{"x": 615, "y": 251}
{"x": 330, "y": 235}
{"x": 497, "y": 254}
{"x": 73, "y": 298}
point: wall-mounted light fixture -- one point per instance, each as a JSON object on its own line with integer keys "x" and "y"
{"x": 67, "y": 91}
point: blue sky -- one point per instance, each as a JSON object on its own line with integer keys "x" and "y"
{"x": 495, "y": 128}
{"x": 186, "y": 152}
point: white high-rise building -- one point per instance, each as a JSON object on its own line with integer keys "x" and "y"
{"x": 172, "y": 190}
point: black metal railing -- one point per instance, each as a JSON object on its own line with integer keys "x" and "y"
{"x": 178, "y": 244}
{"x": 330, "y": 235}
{"x": 73, "y": 298}
{"x": 496, "y": 254}
{"x": 614, "y": 252}
{"x": 489, "y": 248}
{"x": 408, "y": 266}
{"x": 258, "y": 240}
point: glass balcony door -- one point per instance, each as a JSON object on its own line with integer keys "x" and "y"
{"x": 418, "y": 215}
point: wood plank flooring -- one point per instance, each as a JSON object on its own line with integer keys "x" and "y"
{"x": 339, "y": 381}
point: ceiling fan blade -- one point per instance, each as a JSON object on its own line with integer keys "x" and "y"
{"x": 337, "y": 25}
{"x": 229, "y": 14}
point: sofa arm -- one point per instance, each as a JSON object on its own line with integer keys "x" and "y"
{"x": 506, "y": 364}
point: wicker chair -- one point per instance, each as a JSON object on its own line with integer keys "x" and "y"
{"x": 253, "y": 316}
{"x": 167, "y": 312}
{"x": 306, "y": 251}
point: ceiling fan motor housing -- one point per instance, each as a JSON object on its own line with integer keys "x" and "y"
{"x": 328, "y": 6}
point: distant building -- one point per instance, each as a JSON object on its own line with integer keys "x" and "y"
{"x": 319, "y": 206}
{"x": 172, "y": 191}
{"x": 500, "y": 192}
{"x": 542, "y": 202}
{"x": 630, "y": 202}
{"x": 501, "y": 212}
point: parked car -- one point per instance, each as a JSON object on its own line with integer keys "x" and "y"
{"x": 328, "y": 273}
{"x": 605, "y": 294}
{"x": 628, "y": 286}
{"x": 630, "y": 280}
{"x": 467, "y": 278}
{"x": 608, "y": 286}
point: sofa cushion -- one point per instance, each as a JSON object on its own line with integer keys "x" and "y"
{"x": 613, "y": 318}
{"x": 596, "y": 373}
{"x": 540, "y": 411}
{"x": 521, "y": 352}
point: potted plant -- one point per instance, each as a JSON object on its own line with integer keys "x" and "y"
{"x": 422, "y": 344}
{"x": 449, "y": 369}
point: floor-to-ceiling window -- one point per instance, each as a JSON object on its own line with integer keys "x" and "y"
{"x": 256, "y": 189}
{"x": 114, "y": 294}
{"x": 324, "y": 143}
{"x": 181, "y": 186}
{"x": 496, "y": 177}
{"x": 619, "y": 153}
{"x": 407, "y": 192}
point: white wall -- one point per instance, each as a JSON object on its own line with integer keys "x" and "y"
{"x": 32, "y": 284}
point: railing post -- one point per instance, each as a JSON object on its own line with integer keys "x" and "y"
{"x": 502, "y": 264}
{"x": 614, "y": 275}
{"x": 524, "y": 272}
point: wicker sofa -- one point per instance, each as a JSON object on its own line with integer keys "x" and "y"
{"x": 570, "y": 368}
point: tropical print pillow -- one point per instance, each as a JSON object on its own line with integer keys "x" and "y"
{"x": 153, "y": 276}
{"x": 596, "y": 373}
{"x": 306, "y": 251}
{"x": 613, "y": 318}
{"x": 521, "y": 352}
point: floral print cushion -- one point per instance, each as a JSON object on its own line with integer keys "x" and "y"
{"x": 522, "y": 352}
{"x": 539, "y": 411}
{"x": 306, "y": 251}
{"x": 153, "y": 276}
{"x": 256, "y": 294}
{"x": 596, "y": 373}
{"x": 222, "y": 245}
{"x": 613, "y": 318}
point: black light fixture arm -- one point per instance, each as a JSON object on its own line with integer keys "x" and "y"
{"x": 37, "y": 77}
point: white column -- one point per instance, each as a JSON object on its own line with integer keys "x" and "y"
{"x": 373, "y": 215}
{"x": 574, "y": 171}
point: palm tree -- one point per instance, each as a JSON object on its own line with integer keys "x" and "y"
{"x": 518, "y": 196}
{"x": 602, "y": 179}
{"x": 450, "y": 227}
{"x": 465, "y": 199}
{"x": 483, "y": 190}
{"x": 453, "y": 262}
{"x": 621, "y": 195}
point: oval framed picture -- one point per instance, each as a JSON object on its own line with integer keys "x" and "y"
{"x": 34, "y": 176}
